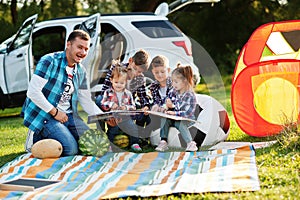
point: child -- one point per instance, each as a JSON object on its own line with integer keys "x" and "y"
{"x": 163, "y": 84}
{"x": 119, "y": 98}
{"x": 184, "y": 105}
{"x": 159, "y": 89}
{"x": 137, "y": 65}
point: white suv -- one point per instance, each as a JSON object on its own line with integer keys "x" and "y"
{"x": 121, "y": 35}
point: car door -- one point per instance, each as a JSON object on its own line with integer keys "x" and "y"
{"x": 92, "y": 27}
{"x": 18, "y": 59}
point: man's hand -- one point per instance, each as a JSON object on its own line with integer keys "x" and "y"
{"x": 111, "y": 121}
{"x": 59, "y": 115}
{"x": 146, "y": 109}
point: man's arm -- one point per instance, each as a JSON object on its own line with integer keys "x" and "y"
{"x": 88, "y": 105}
{"x": 34, "y": 93}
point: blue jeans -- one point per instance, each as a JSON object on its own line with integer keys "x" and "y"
{"x": 181, "y": 126}
{"x": 67, "y": 133}
{"x": 141, "y": 119}
{"x": 128, "y": 127}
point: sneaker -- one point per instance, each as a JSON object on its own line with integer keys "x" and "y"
{"x": 162, "y": 146}
{"x": 29, "y": 141}
{"x": 136, "y": 148}
{"x": 191, "y": 146}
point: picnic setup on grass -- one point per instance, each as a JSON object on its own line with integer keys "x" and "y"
{"x": 264, "y": 98}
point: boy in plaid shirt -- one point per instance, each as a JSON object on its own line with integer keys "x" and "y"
{"x": 160, "y": 90}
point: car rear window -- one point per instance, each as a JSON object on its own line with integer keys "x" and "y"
{"x": 157, "y": 28}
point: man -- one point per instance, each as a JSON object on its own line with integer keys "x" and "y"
{"x": 57, "y": 85}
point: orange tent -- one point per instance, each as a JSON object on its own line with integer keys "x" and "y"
{"x": 265, "y": 92}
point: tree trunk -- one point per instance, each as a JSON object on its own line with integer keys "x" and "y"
{"x": 13, "y": 10}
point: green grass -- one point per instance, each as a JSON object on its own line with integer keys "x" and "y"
{"x": 12, "y": 135}
{"x": 278, "y": 165}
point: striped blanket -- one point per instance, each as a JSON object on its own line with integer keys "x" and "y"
{"x": 136, "y": 174}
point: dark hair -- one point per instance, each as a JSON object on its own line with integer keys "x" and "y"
{"x": 141, "y": 58}
{"x": 79, "y": 33}
{"x": 185, "y": 73}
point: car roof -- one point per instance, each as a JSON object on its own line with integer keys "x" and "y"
{"x": 133, "y": 16}
{"x": 63, "y": 20}
{"x": 128, "y": 16}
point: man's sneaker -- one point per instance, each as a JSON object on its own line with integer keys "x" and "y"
{"x": 191, "y": 146}
{"x": 162, "y": 146}
{"x": 29, "y": 141}
{"x": 136, "y": 148}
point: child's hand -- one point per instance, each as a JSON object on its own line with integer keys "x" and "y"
{"x": 169, "y": 103}
{"x": 114, "y": 106}
{"x": 122, "y": 108}
{"x": 157, "y": 108}
{"x": 170, "y": 112}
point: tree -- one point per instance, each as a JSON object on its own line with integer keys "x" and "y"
{"x": 13, "y": 10}
{"x": 222, "y": 29}
{"x": 63, "y": 8}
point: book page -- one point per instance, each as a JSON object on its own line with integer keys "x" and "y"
{"x": 120, "y": 113}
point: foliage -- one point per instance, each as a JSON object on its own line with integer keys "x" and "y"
{"x": 222, "y": 29}
{"x": 104, "y": 6}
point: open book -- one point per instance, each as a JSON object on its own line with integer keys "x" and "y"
{"x": 120, "y": 113}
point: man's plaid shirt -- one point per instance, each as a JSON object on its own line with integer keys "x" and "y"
{"x": 52, "y": 67}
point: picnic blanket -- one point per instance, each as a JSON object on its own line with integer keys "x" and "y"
{"x": 136, "y": 174}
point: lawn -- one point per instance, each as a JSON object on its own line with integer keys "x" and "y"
{"x": 278, "y": 165}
